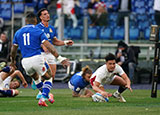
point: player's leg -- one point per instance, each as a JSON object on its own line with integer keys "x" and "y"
{"x": 53, "y": 70}
{"x": 2, "y": 65}
{"x": 52, "y": 65}
{"x": 118, "y": 94}
{"x": 47, "y": 85}
{"x": 88, "y": 93}
{"x": 50, "y": 72}
{"x": 9, "y": 93}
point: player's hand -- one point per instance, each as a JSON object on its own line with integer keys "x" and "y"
{"x": 119, "y": 55}
{"x": 25, "y": 84}
{"x": 65, "y": 63}
{"x": 129, "y": 87}
{"x": 68, "y": 42}
{"x": 105, "y": 94}
{"x": 13, "y": 65}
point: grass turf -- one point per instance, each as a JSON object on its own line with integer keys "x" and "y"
{"x": 139, "y": 102}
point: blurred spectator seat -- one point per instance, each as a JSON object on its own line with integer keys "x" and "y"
{"x": 142, "y": 17}
{"x": 118, "y": 33}
{"x": 3, "y": 0}
{"x": 6, "y": 11}
{"x": 112, "y": 5}
{"x": 113, "y": 16}
{"x": 66, "y": 32}
{"x": 105, "y": 33}
{"x": 5, "y": 6}
{"x": 83, "y": 6}
{"x": 75, "y": 33}
{"x": 140, "y": 10}
{"x": 83, "y": 3}
{"x": 142, "y": 25}
{"x": 19, "y": 8}
{"x": 139, "y": 3}
{"x": 133, "y": 33}
{"x": 147, "y": 33}
{"x": 92, "y": 32}
{"x": 112, "y": 22}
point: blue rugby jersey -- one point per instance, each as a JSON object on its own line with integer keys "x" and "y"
{"x": 78, "y": 81}
{"x": 29, "y": 39}
{"x": 49, "y": 31}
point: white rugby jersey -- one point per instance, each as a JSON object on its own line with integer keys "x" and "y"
{"x": 6, "y": 83}
{"x": 102, "y": 74}
{"x": 156, "y": 5}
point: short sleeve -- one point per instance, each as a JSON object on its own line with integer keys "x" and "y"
{"x": 119, "y": 70}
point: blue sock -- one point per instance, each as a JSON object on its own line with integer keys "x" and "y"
{"x": 6, "y": 69}
{"x": 121, "y": 89}
{"x": 39, "y": 86}
{"x": 7, "y": 93}
{"x": 46, "y": 89}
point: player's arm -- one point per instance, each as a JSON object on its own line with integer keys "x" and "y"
{"x": 13, "y": 54}
{"x": 54, "y": 52}
{"x": 125, "y": 77}
{"x": 20, "y": 75}
{"x": 61, "y": 43}
{"x": 96, "y": 88}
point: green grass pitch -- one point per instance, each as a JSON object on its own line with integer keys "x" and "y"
{"x": 139, "y": 102}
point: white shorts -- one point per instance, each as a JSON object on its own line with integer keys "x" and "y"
{"x": 49, "y": 57}
{"x": 35, "y": 64}
{"x": 82, "y": 91}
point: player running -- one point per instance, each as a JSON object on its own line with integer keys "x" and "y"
{"x": 110, "y": 73}
{"x": 29, "y": 38}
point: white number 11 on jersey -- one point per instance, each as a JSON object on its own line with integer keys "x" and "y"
{"x": 26, "y": 38}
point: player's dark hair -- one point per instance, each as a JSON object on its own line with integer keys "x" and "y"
{"x": 110, "y": 56}
{"x": 86, "y": 70}
{"x": 30, "y": 18}
{"x": 39, "y": 13}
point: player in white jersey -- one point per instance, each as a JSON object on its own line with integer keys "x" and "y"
{"x": 112, "y": 74}
{"x": 8, "y": 83}
{"x": 30, "y": 38}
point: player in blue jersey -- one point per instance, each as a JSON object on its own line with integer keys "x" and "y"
{"x": 9, "y": 83}
{"x": 29, "y": 38}
{"x": 79, "y": 82}
{"x": 50, "y": 32}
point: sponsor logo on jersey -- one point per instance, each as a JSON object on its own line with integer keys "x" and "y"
{"x": 50, "y": 30}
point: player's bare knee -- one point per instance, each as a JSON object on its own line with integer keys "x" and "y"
{"x": 46, "y": 77}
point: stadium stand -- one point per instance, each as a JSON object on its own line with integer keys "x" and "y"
{"x": 118, "y": 33}
{"x": 19, "y": 8}
{"x": 105, "y": 33}
{"x": 133, "y": 33}
{"x": 92, "y": 32}
{"x": 75, "y": 33}
{"x": 6, "y": 11}
{"x": 147, "y": 33}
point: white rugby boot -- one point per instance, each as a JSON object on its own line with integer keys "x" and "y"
{"x": 119, "y": 96}
{"x": 2, "y": 65}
